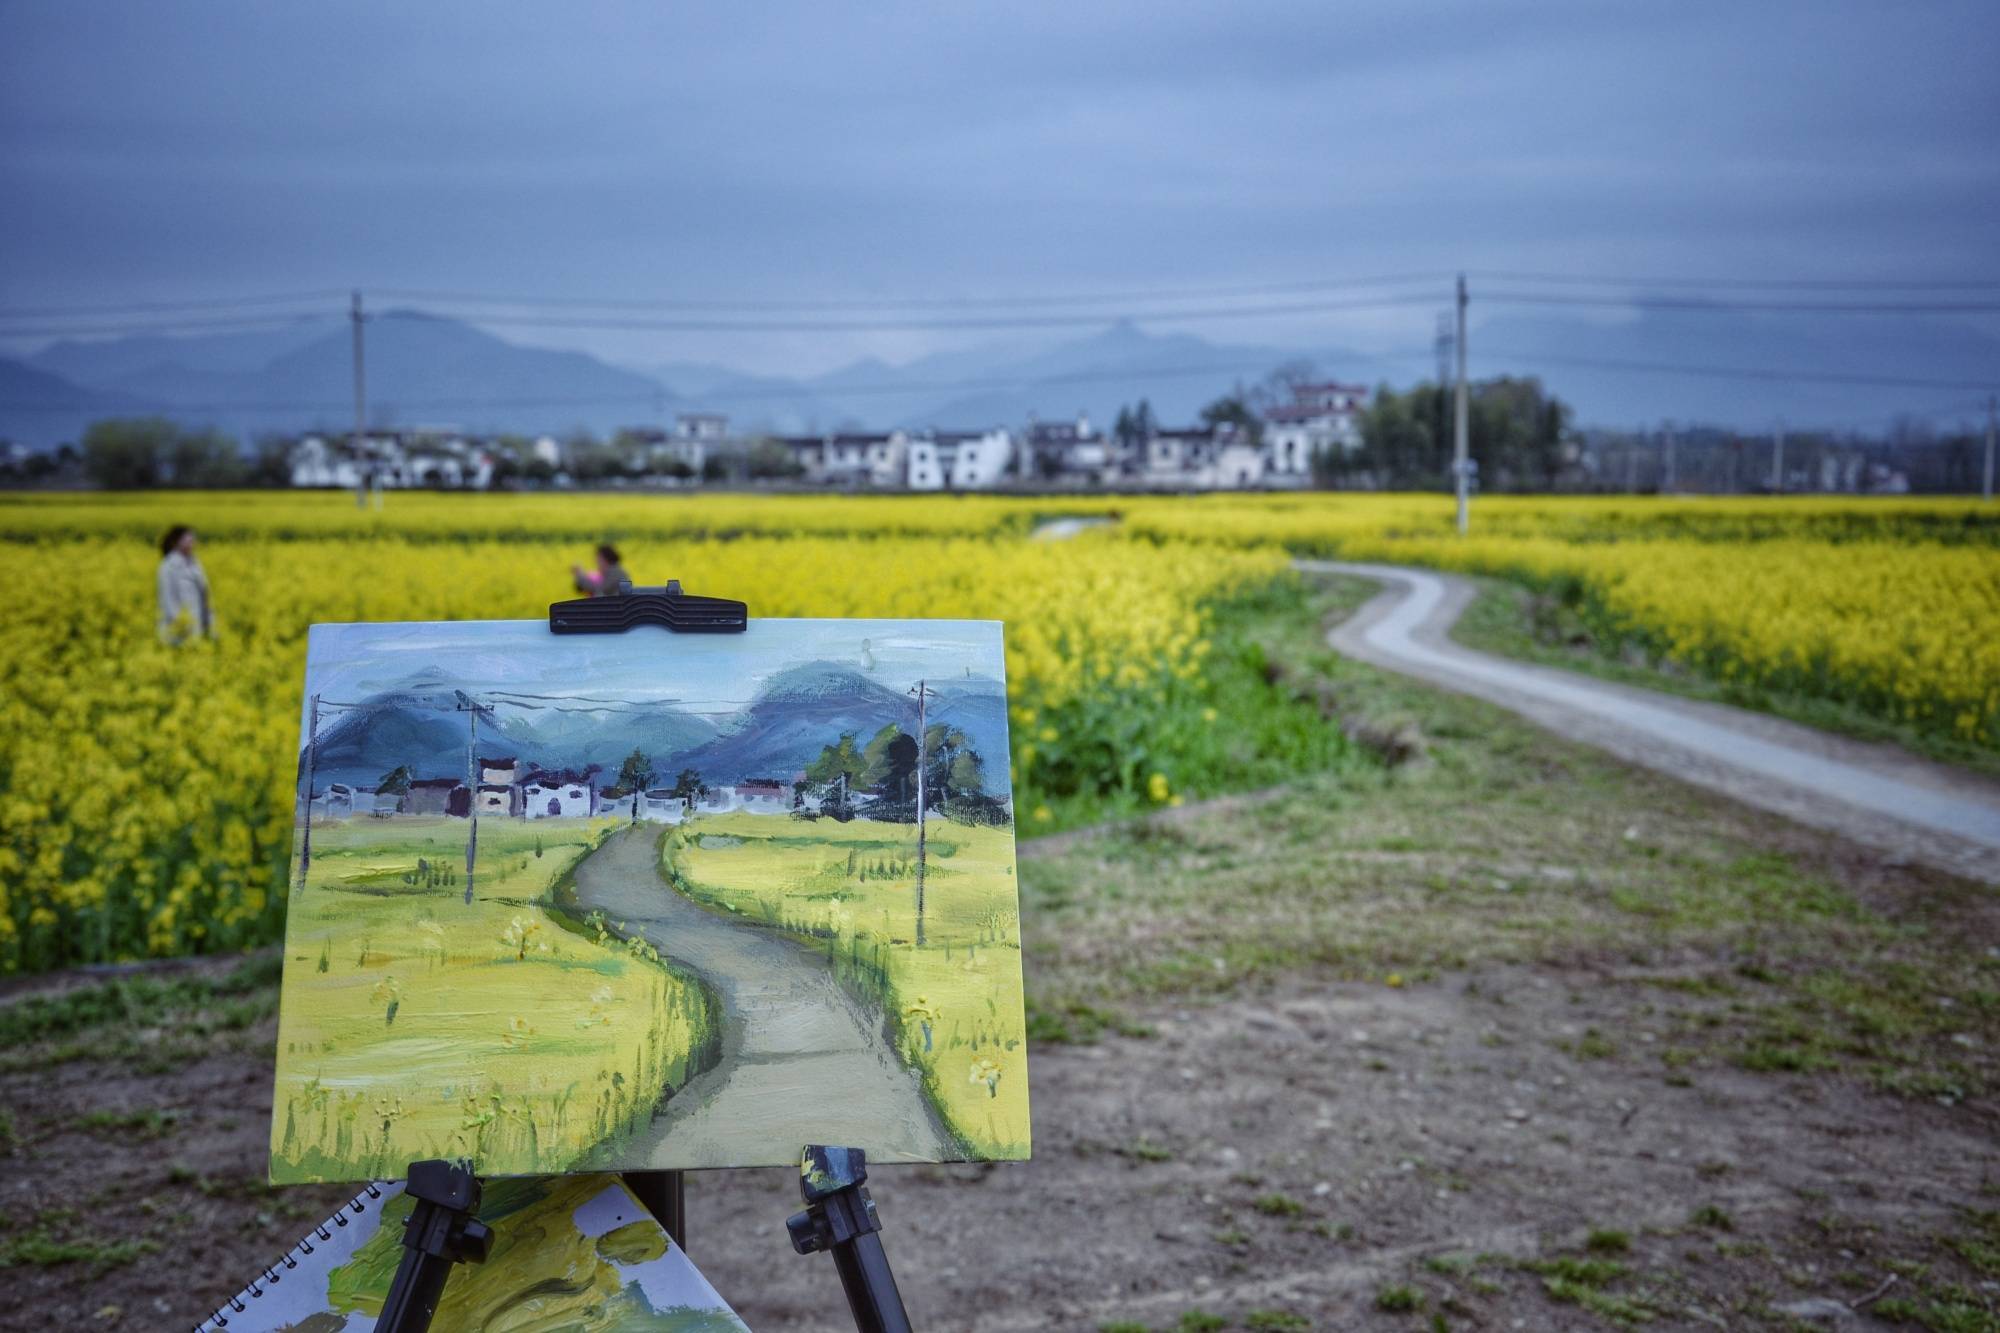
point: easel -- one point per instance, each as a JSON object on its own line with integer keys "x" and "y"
{"x": 839, "y": 1217}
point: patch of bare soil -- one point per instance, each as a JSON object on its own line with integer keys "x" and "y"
{"x": 1478, "y": 1143}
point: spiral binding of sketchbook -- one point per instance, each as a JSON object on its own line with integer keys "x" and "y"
{"x": 328, "y": 1244}
{"x": 624, "y": 1273}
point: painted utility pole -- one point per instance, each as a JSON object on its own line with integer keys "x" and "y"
{"x": 472, "y": 711}
{"x": 1460, "y": 454}
{"x": 1778, "y": 459}
{"x": 921, "y": 694}
{"x": 312, "y": 768}
{"x": 1986, "y": 484}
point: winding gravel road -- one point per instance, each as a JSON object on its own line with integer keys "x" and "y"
{"x": 1873, "y": 794}
{"x": 796, "y": 1046}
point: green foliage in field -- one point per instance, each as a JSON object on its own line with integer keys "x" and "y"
{"x": 415, "y": 1024}
{"x": 849, "y": 890}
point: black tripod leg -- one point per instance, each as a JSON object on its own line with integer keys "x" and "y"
{"x": 870, "y": 1286}
{"x": 840, "y": 1219}
{"x": 664, "y": 1193}
{"x": 414, "y": 1295}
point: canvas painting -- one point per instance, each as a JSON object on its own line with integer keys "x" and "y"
{"x": 574, "y": 1253}
{"x": 650, "y": 900}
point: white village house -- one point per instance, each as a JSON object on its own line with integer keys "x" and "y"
{"x": 568, "y": 795}
{"x": 959, "y": 460}
{"x": 1324, "y": 417}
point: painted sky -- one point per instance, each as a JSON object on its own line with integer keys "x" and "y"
{"x": 802, "y": 151}
{"x": 711, "y": 674}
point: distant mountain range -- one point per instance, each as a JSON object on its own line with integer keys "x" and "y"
{"x": 796, "y": 714}
{"x": 427, "y": 370}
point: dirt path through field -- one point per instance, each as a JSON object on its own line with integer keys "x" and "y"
{"x": 794, "y": 1040}
{"x": 1873, "y": 794}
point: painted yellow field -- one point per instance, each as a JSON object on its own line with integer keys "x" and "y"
{"x": 394, "y": 1041}
{"x": 850, "y": 891}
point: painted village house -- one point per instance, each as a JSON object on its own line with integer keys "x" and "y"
{"x": 546, "y": 795}
{"x": 498, "y": 792}
{"x": 661, "y": 805}
{"x": 433, "y": 796}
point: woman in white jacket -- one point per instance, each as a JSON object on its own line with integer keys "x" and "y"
{"x": 183, "y": 589}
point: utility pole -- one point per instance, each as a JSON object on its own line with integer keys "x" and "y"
{"x": 921, "y": 693}
{"x": 1459, "y": 451}
{"x": 312, "y": 767}
{"x": 1670, "y": 479}
{"x": 1778, "y": 459}
{"x": 1632, "y": 461}
{"x": 365, "y": 474}
{"x": 1442, "y": 345}
{"x": 1986, "y": 485}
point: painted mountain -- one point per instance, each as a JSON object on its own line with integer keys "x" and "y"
{"x": 418, "y": 724}
{"x": 783, "y": 728}
{"x": 801, "y": 710}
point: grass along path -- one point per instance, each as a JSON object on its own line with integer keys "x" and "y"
{"x": 848, "y": 890}
{"x": 1516, "y": 621}
{"x": 415, "y": 1024}
{"x": 793, "y": 1039}
{"x": 1871, "y": 794}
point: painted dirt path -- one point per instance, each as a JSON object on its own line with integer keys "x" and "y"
{"x": 794, "y": 1040}
{"x": 1873, "y": 794}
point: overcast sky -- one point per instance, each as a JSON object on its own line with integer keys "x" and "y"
{"x": 156, "y": 151}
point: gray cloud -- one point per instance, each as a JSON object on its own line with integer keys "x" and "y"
{"x": 165, "y": 151}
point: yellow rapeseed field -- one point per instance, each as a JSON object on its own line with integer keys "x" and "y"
{"x": 1892, "y": 605}
{"x": 145, "y": 790}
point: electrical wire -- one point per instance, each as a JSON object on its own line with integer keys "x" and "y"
{"x": 980, "y": 322}
{"x": 913, "y": 303}
{"x": 1734, "y": 372}
{"x": 144, "y": 307}
{"x": 1765, "y": 284}
{"x": 1740, "y": 307}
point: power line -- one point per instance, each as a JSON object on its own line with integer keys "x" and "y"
{"x": 221, "y": 324}
{"x": 648, "y": 396}
{"x": 144, "y": 307}
{"x": 705, "y": 325}
{"x": 1766, "y": 284}
{"x": 911, "y": 303}
{"x": 1737, "y": 372}
{"x": 1735, "y": 307}
{"x": 983, "y": 322}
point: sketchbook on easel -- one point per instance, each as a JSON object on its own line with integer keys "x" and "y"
{"x": 640, "y": 901}
{"x": 569, "y": 1253}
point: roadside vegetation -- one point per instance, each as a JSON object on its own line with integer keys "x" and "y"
{"x": 398, "y": 1043}
{"x": 849, "y": 891}
{"x": 1535, "y": 625}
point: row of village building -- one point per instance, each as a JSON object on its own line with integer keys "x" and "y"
{"x": 1323, "y": 419}
{"x": 508, "y": 789}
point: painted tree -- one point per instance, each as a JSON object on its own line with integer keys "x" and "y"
{"x": 952, "y": 767}
{"x": 839, "y": 769}
{"x": 689, "y": 787}
{"x": 635, "y": 774}
{"x": 890, "y": 764}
